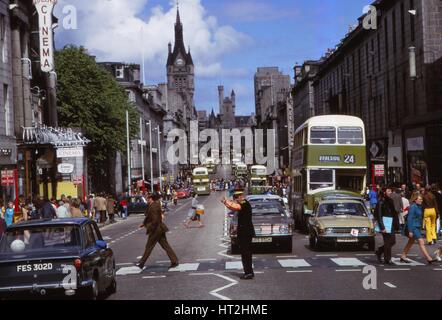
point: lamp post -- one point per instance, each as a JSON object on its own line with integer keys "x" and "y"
{"x": 142, "y": 143}
{"x": 129, "y": 169}
{"x": 159, "y": 158}
{"x": 150, "y": 147}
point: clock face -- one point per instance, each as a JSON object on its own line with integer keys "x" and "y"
{"x": 180, "y": 62}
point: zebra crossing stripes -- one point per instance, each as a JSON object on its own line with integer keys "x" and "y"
{"x": 348, "y": 262}
{"x": 294, "y": 263}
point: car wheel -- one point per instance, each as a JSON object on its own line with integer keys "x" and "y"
{"x": 92, "y": 292}
{"x": 112, "y": 287}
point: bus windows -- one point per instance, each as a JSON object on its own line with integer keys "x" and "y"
{"x": 350, "y": 135}
{"x": 323, "y": 135}
{"x": 320, "y": 179}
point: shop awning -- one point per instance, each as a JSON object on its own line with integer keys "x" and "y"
{"x": 57, "y": 137}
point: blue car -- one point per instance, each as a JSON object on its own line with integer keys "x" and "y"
{"x": 65, "y": 257}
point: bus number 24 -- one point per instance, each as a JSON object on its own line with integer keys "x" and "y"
{"x": 349, "y": 158}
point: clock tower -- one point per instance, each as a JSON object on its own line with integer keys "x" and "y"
{"x": 180, "y": 79}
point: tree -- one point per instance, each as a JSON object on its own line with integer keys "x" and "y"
{"x": 90, "y": 98}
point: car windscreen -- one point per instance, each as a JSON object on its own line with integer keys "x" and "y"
{"x": 342, "y": 209}
{"x": 266, "y": 208}
{"x": 42, "y": 238}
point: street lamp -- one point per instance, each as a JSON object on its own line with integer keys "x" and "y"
{"x": 129, "y": 169}
{"x": 142, "y": 144}
{"x": 149, "y": 123}
{"x": 159, "y": 157}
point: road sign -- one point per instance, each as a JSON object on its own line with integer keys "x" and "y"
{"x": 7, "y": 178}
{"x": 78, "y": 180}
{"x": 379, "y": 170}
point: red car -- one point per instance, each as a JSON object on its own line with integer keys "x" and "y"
{"x": 183, "y": 194}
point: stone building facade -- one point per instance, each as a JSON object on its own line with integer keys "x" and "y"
{"x": 370, "y": 75}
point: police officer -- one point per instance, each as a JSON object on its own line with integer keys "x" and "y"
{"x": 246, "y": 230}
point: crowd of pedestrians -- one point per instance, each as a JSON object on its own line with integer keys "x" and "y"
{"x": 415, "y": 213}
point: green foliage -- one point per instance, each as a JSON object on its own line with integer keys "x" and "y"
{"x": 90, "y": 98}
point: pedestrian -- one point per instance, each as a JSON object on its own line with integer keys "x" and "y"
{"x": 413, "y": 231}
{"x": 431, "y": 212}
{"x": 75, "y": 209}
{"x": 245, "y": 231}
{"x": 90, "y": 206}
{"x": 9, "y": 214}
{"x": 373, "y": 198}
{"x": 110, "y": 207}
{"x": 47, "y": 210}
{"x": 406, "y": 191}
{"x": 24, "y": 210}
{"x": 124, "y": 204}
{"x": 437, "y": 194}
{"x": 156, "y": 230}
{"x": 193, "y": 214}
{"x": 62, "y": 212}
{"x": 3, "y": 225}
{"x": 388, "y": 222}
{"x": 175, "y": 197}
{"x": 405, "y": 209}
{"x": 100, "y": 208}
{"x": 397, "y": 201}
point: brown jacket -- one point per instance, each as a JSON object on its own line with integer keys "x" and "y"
{"x": 100, "y": 203}
{"x": 153, "y": 221}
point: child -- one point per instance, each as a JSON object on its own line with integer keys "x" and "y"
{"x": 9, "y": 214}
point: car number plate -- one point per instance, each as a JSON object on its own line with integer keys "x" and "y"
{"x": 201, "y": 189}
{"x": 262, "y": 240}
{"x": 347, "y": 240}
{"x": 34, "y": 267}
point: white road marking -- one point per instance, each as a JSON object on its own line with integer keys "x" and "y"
{"x": 201, "y": 260}
{"x": 139, "y": 257}
{"x": 388, "y": 284}
{"x": 215, "y": 292}
{"x": 107, "y": 238}
{"x": 437, "y": 269}
{"x": 413, "y": 263}
{"x": 153, "y": 277}
{"x": 124, "y": 264}
{"x": 224, "y": 254}
{"x": 128, "y": 271}
{"x": 300, "y": 271}
{"x": 234, "y": 265}
{"x": 365, "y": 254}
{"x": 348, "y": 262}
{"x": 286, "y": 256}
{"x": 162, "y": 261}
{"x": 397, "y": 269}
{"x": 327, "y": 255}
{"x": 259, "y": 272}
{"x": 348, "y": 270}
{"x": 294, "y": 263}
{"x": 410, "y": 254}
{"x": 185, "y": 267}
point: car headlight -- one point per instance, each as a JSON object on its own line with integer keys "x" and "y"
{"x": 283, "y": 229}
{"x": 364, "y": 230}
{"x": 329, "y": 230}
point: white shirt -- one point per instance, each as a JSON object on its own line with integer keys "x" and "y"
{"x": 62, "y": 212}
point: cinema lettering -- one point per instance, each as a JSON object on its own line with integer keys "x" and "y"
{"x": 45, "y": 9}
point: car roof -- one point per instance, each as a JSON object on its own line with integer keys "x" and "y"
{"x": 333, "y": 201}
{"x": 264, "y": 197}
{"x": 50, "y": 222}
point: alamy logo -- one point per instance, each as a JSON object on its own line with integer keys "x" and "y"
{"x": 182, "y": 149}
{"x": 70, "y": 281}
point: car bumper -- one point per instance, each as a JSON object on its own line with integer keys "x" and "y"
{"x": 43, "y": 288}
{"x": 263, "y": 240}
{"x": 346, "y": 239}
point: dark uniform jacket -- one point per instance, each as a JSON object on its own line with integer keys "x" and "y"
{"x": 385, "y": 208}
{"x": 245, "y": 224}
{"x": 153, "y": 221}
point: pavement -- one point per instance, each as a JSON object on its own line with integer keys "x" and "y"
{"x": 208, "y": 271}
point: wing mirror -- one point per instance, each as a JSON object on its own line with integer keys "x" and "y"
{"x": 101, "y": 244}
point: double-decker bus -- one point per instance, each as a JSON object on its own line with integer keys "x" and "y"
{"x": 329, "y": 157}
{"x": 240, "y": 170}
{"x": 258, "y": 180}
{"x": 200, "y": 181}
{"x": 210, "y": 164}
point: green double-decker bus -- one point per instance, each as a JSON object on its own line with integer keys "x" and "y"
{"x": 329, "y": 156}
{"x": 258, "y": 179}
{"x": 200, "y": 181}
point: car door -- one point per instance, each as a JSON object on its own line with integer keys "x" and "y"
{"x": 107, "y": 269}
{"x": 92, "y": 258}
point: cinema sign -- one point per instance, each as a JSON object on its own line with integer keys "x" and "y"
{"x": 44, "y": 10}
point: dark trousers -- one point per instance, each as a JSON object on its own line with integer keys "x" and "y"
{"x": 103, "y": 217}
{"x": 389, "y": 242}
{"x": 162, "y": 240}
{"x": 245, "y": 247}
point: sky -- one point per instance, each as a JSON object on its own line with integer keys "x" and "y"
{"x": 229, "y": 39}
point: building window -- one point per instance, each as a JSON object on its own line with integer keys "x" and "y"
{"x": 119, "y": 72}
{"x": 3, "y": 37}
{"x": 402, "y": 26}
{"x": 412, "y": 21}
{"x": 7, "y": 110}
{"x": 394, "y": 31}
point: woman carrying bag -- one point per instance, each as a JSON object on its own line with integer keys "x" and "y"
{"x": 413, "y": 229}
{"x": 193, "y": 213}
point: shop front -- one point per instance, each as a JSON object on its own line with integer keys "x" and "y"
{"x": 53, "y": 163}
{"x": 8, "y": 156}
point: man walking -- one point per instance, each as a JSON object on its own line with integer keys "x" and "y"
{"x": 156, "y": 230}
{"x": 388, "y": 221}
{"x": 100, "y": 208}
{"x": 246, "y": 230}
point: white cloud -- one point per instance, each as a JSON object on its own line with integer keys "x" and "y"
{"x": 111, "y": 30}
